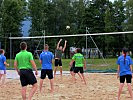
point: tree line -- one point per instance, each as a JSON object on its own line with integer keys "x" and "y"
{"x": 54, "y": 15}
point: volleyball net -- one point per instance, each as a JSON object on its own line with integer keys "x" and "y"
{"x": 97, "y": 48}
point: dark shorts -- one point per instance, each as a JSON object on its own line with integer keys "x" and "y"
{"x": 127, "y": 77}
{"x": 27, "y": 77}
{"x": 78, "y": 69}
{"x": 72, "y": 68}
{"x": 45, "y": 72}
{"x": 58, "y": 62}
{"x": 4, "y": 71}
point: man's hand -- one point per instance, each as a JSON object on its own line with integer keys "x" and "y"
{"x": 118, "y": 76}
{"x": 84, "y": 67}
{"x": 60, "y": 40}
{"x": 65, "y": 41}
{"x": 7, "y": 65}
{"x": 70, "y": 64}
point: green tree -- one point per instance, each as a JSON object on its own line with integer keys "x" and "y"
{"x": 129, "y": 11}
{"x": 99, "y": 9}
{"x": 129, "y": 22}
{"x": 12, "y": 15}
{"x": 119, "y": 17}
{"x": 109, "y": 27}
{"x": 1, "y": 1}
{"x": 37, "y": 10}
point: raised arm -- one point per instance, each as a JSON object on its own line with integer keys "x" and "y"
{"x": 34, "y": 66}
{"x": 58, "y": 44}
{"x": 65, "y": 45}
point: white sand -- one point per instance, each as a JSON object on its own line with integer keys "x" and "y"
{"x": 99, "y": 87}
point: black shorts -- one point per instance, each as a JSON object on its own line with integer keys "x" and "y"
{"x": 78, "y": 69}
{"x": 58, "y": 62}
{"x": 127, "y": 77}
{"x": 27, "y": 77}
{"x": 45, "y": 72}
{"x": 72, "y": 68}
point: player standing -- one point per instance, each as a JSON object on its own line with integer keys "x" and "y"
{"x": 23, "y": 64}
{"x": 124, "y": 72}
{"x": 3, "y": 65}
{"x": 79, "y": 64}
{"x": 46, "y": 61}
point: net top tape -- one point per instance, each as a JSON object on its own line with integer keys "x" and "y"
{"x": 74, "y": 35}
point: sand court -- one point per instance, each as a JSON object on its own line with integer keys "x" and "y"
{"x": 99, "y": 87}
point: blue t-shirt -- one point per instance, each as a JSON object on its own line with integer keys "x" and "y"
{"x": 125, "y": 68}
{"x": 46, "y": 58}
{"x": 2, "y": 60}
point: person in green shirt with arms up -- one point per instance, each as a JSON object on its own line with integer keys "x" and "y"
{"x": 23, "y": 65}
{"x": 79, "y": 64}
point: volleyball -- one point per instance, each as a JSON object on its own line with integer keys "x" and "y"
{"x": 67, "y": 27}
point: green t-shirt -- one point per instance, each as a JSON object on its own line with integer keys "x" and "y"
{"x": 79, "y": 60}
{"x": 23, "y": 59}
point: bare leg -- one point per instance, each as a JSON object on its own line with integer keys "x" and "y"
{"x": 80, "y": 75}
{"x": 71, "y": 72}
{"x": 74, "y": 79}
{"x": 23, "y": 92}
{"x": 61, "y": 71}
{"x": 55, "y": 68}
{"x": 83, "y": 78}
{"x": 130, "y": 90}
{"x": 0, "y": 78}
{"x": 41, "y": 83}
{"x": 120, "y": 90}
{"x": 3, "y": 79}
{"x": 52, "y": 85}
{"x": 33, "y": 90}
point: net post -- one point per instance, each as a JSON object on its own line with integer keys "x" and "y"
{"x": 44, "y": 37}
{"x": 86, "y": 47}
{"x": 97, "y": 48}
{"x": 10, "y": 50}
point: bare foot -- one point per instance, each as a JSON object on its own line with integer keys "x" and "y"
{"x": 118, "y": 98}
{"x": 51, "y": 91}
{"x": 2, "y": 85}
{"x": 84, "y": 83}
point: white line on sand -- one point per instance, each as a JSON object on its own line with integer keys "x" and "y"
{"x": 12, "y": 74}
